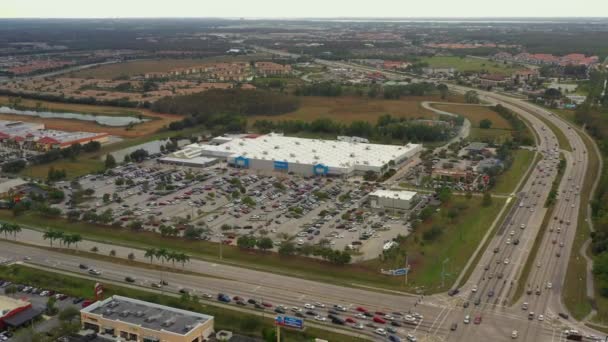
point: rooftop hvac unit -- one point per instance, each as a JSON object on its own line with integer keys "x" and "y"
{"x": 366, "y": 163}
{"x": 276, "y": 147}
{"x": 108, "y": 312}
{"x": 228, "y": 147}
{"x": 334, "y": 146}
{"x": 367, "y": 148}
{"x": 352, "y": 155}
{"x": 264, "y": 152}
{"x": 314, "y": 151}
{"x": 152, "y": 318}
{"x": 293, "y": 155}
{"x": 140, "y": 314}
{"x": 189, "y": 327}
{"x": 297, "y": 143}
{"x": 169, "y": 322}
{"x": 316, "y": 157}
{"x": 113, "y": 304}
{"x": 241, "y": 143}
{"x": 125, "y": 313}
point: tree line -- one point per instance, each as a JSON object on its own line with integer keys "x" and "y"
{"x": 387, "y": 129}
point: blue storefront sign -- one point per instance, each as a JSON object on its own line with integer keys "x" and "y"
{"x": 281, "y": 165}
{"x": 320, "y": 169}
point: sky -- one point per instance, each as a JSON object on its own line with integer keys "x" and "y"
{"x": 300, "y": 9}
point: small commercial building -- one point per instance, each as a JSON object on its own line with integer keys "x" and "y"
{"x": 130, "y": 319}
{"x": 15, "y": 313}
{"x": 392, "y": 199}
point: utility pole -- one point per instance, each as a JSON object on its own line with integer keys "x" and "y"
{"x": 407, "y": 268}
{"x": 278, "y": 333}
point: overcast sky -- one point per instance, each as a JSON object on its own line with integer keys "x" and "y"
{"x": 301, "y": 8}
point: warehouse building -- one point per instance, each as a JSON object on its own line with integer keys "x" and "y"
{"x": 34, "y": 136}
{"x": 308, "y": 157}
{"x": 130, "y": 319}
{"x": 390, "y": 199}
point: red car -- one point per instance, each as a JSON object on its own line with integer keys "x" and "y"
{"x": 266, "y": 304}
{"x": 237, "y": 298}
{"x": 361, "y": 309}
{"x": 380, "y": 313}
{"x": 477, "y": 319}
{"x": 350, "y": 320}
{"x": 379, "y": 320}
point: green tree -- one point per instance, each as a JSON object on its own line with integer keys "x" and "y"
{"x": 287, "y": 248}
{"x": 246, "y": 241}
{"x": 265, "y": 243}
{"x": 471, "y": 96}
{"x": 69, "y": 314}
{"x": 485, "y": 123}
{"x": 110, "y": 161}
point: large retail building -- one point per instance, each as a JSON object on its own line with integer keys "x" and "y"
{"x": 276, "y": 152}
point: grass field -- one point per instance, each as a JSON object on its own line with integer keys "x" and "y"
{"x": 506, "y": 182}
{"x": 575, "y": 298}
{"x": 225, "y": 319}
{"x": 498, "y": 132}
{"x": 132, "y": 68}
{"x": 475, "y": 114}
{"x": 458, "y": 242}
{"x": 349, "y": 108}
{"x": 76, "y": 168}
{"x": 467, "y": 64}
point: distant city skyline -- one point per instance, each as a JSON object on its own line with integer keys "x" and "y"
{"x": 305, "y": 9}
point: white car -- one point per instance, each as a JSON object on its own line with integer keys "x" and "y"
{"x": 309, "y": 306}
{"x": 411, "y": 338}
{"x": 320, "y": 318}
{"x": 506, "y": 261}
{"x": 467, "y": 319}
{"x": 319, "y": 305}
{"x": 508, "y": 241}
{"x": 514, "y": 334}
{"x": 361, "y": 316}
{"x": 549, "y": 285}
{"x": 541, "y": 318}
{"x": 358, "y": 326}
{"x": 474, "y": 289}
{"x": 380, "y": 332}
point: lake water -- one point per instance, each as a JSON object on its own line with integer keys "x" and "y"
{"x": 106, "y": 120}
{"x": 152, "y": 147}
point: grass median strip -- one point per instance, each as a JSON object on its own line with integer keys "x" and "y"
{"x": 225, "y": 319}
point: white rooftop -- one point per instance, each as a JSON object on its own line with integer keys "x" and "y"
{"x": 331, "y": 153}
{"x": 394, "y": 194}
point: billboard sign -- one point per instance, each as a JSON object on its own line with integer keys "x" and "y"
{"x": 288, "y": 321}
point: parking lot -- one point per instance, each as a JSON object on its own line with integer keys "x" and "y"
{"x": 223, "y": 203}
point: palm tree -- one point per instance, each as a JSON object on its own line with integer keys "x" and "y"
{"x": 173, "y": 257}
{"x": 162, "y": 255}
{"x": 59, "y": 235}
{"x": 4, "y": 229}
{"x": 76, "y": 238}
{"x": 15, "y": 228}
{"x": 112, "y": 253}
{"x": 184, "y": 258}
{"x": 48, "y": 235}
{"x": 150, "y": 253}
